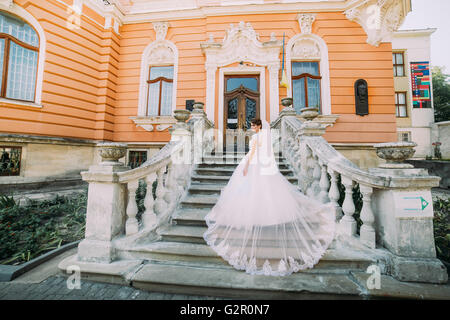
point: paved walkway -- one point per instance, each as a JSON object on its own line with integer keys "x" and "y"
{"x": 55, "y": 288}
{"x": 45, "y": 282}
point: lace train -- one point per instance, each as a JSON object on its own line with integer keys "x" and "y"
{"x": 264, "y": 225}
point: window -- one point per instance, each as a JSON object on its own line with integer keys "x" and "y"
{"x": 160, "y": 85}
{"x": 306, "y": 85}
{"x": 400, "y": 105}
{"x": 10, "y": 161}
{"x": 404, "y": 136}
{"x": 399, "y": 64}
{"x": 136, "y": 158}
{"x": 19, "y": 47}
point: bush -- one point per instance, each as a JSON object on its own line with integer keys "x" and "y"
{"x": 441, "y": 226}
{"x": 29, "y": 231}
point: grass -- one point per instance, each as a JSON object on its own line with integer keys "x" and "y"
{"x": 29, "y": 231}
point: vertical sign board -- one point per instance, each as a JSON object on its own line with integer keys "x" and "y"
{"x": 413, "y": 204}
{"x": 420, "y": 80}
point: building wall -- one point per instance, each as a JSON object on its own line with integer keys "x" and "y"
{"x": 350, "y": 58}
{"x": 80, "y": 74}
{"x": 91, "y": 78}
{"x": 416, "y": 47}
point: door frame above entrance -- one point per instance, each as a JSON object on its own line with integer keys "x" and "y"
{"x": 261, "y": 71}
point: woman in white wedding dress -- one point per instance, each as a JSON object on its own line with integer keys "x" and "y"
{"x": 262, "y": 223}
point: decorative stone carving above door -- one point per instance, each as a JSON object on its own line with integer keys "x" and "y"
{"x": 241, "y": 43}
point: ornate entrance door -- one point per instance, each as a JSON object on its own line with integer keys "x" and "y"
{"x": 241, "y": 106}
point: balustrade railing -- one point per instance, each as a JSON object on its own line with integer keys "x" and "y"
{"x": 326, "y": 175}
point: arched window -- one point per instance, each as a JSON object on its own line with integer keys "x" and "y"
{"x": 306, "y": 85}
{"x": 160, "y": 91}
{"x": 308, "y": 72}
{"x": 19, "y": 50}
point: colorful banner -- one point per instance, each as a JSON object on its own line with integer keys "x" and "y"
{"x": 421, "y": 89}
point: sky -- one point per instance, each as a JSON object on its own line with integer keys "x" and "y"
{"x": 433, "y": 14}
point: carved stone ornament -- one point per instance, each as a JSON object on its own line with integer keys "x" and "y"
{"x": 395, "y": 153}
{"x": 161, "y": 53}
{"x": 111, "y": 152}
{"x": 161, "y": 29}
{"x": 149, "y": 123}
{"x": 379, "y": 18}
{"x": 306, "y": 20}
{"x": 305, "y": 49}
{"x": 241, "y": 43}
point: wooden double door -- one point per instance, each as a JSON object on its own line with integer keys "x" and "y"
{"x": 241, "y": 105}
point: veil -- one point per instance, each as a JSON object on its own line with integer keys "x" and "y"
{"x": 265, "y": 155}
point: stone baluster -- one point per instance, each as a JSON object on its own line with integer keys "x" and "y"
{"x": 324, "y": 183}
{"x": 315, "y": 186}
{"x": 132, "y": 226}
{"x": 171, "y": 194}
{"x": 149, "y": 216}
{"x": 160, "y": 203}
{"x": 348, "y": 222}
{"x": 334, "y": 194}
{"x": 367, "y": 231}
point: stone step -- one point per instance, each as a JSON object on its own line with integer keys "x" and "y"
{"x": 190, "y": 217}
{"x": 281, "y": 165}
{"x": 204, "y": 189}
{"x": 189, "y": 234}
{"x": 207, "y": 279}
{"x": 229, "y": 171}
{"x": 338, "y": 260}
{"x": 199, "y": 201}
{"x": 233, "y": 159}
{"x": 194, "y": 234}
{"x": 223, "y": 180}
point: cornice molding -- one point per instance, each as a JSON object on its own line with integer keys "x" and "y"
{"x": 379, "y": 18}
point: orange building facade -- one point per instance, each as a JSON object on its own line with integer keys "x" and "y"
{"x": 115, "y": 71}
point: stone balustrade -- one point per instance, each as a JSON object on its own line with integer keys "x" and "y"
{"x": 393, "y": 201}
{"x": 112, "y": 210}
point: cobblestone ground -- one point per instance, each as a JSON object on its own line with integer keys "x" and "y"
{"x": 55, "y": 288}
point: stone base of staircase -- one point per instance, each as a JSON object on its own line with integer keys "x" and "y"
{"x": 203, "y": 278}
{"x": 177, "y": 260}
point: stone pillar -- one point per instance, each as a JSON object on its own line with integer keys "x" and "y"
{"x": 210, "y": 90}
{"x": 105, "y": 216}
{"x": 404, "y": 216}
{"x": 274, "y": 94}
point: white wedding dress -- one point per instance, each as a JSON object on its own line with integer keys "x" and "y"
{"x": 262, "y": 223}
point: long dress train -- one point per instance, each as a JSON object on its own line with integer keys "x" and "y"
{"x": 263, "y": 224}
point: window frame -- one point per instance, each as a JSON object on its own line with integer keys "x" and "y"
{"x": 395, "y": 64}
{"x": 397, "y": 105}
{"x": 159, "y": 79}
{"x": 20, "y": 160}
{"x": 135, "y": 150}
{"x": 8, "y": 38}
{"x": 307, "y": 75}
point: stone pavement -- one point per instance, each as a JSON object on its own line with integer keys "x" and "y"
{"x": 55, "y": 288}
{"x": 45, "y": 282}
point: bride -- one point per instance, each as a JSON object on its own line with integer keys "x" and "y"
{"x": 262, "y": 223}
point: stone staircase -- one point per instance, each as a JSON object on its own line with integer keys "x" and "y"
{"x": 181, "y": 261}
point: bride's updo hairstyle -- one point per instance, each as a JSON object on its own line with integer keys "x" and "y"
{"x": 257, "y": 122}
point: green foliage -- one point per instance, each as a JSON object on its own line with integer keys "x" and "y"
{"x": 29, "y": 231}
{"x": 441, "y": 224}
{"x": 441, "y": 94}
{"x": 357, "y": 201}
{"x": 6, "y": 202}
{"x": 140, "y": 195}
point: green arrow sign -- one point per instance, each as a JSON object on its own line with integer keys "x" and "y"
{"x": 424, "y": 203}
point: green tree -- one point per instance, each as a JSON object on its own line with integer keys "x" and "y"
{"x": 441, "y": 94}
